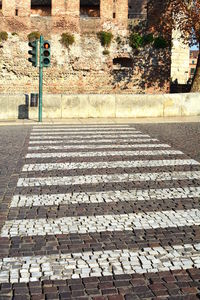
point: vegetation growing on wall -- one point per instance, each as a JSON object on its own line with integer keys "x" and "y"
{"x": 3, "y": 36}
{"x": 137, "y": 41}
{"x": 67, "y": 39}
{"x": 160, "y": 42}
{"x": 35, "y": 35}
{"x": 106, "y": 52}
{"x": 105, "y": 38}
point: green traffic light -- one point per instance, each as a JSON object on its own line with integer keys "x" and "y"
{"x": 34, "y": 53}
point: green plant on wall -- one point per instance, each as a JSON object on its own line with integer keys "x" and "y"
{"x": 105, "y": 38}
{"x": 106, "y": 52}
{"x": 35, "y": 35}
{"x": 160, "y": 43}
{"x": 135, "y": 40}
{"x": 67, "y": 39}
{"x": 147, "y": 39}
{"x": 3, "y": 36}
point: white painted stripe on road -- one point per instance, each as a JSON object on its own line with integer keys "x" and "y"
{"x": 95, "y": 146}
{"x": 99, "y": 263}
{"x": 103, "y": 141}
{"x": 103, "y": 223}
{"x": 108, "y": 164}
{"x": 104, "y": 153}
{"x": 98, "y": 136}
{"x": 107, "y": 197}
{"x": 95, "y": 179}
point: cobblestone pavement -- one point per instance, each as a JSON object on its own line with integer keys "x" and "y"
{"x": 100, "y": 212}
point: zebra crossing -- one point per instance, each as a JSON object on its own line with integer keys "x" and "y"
{"x": 170, "y": 202}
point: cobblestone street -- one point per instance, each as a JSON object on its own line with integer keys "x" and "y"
{"x": 100, "y": 212}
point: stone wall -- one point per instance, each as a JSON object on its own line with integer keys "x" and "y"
{"x": 83, "y": 68}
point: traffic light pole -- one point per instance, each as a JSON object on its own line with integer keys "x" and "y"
{"x": 40, "y": 80}
{"x": 44, "y": 61}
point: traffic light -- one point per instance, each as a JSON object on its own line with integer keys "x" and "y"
{"x": 46, "y": 54}
{"x": 34, "y": 53}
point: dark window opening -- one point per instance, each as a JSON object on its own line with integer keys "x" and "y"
{"x": 0, "y": 7}
{"x": 114, "y": 15}
{"x": 41, "y": 8}
{"x": 137, "y": 9}
{"x": 123, "y": 62}
{"x": 90, "y": 8}
{"x": 16, "y": 12}
{"x": 192, "y": 71}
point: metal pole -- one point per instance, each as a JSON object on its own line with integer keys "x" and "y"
{"x": 40, "y": 79}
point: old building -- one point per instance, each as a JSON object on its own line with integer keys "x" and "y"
{"x": 193, "y": 62}
{"x": 84, "y": 67}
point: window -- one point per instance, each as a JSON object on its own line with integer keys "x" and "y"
{"x": 137, "y": 9}
{"x": 192, "y": 71}
{"x": 41, "y": 8}
{"x": 90, "y": 8}
{"x": 123, "y": 62}
{"x": 193, "y": 62}
{"x": 16, "y": 12}
{"x": 0, "y": 7}
{"x": 114, "y": 15}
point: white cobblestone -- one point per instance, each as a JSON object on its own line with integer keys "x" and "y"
{"x": 108, "y": 164}
{"x": 104, "y": 153}
{"x": 85, "y": 224}
{"x": 104, "y": 141}
{"x": 97, "y": 136}
{"x": 67, "y": 266}
{"x": 110, "y": 196}
{"x": 95, "y": 179}
{"x": 84, "y": 132}
{"x": 96, "y": 146}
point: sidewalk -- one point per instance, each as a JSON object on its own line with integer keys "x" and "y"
{"x": 104, "y": 121}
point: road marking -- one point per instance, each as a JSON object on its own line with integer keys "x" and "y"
{"x": 94, "y": 146}
{"x": 102, "y": 223}
{"x": 107, "y": 197}
{"x": 104, "y": 153}
{"x": 110, "y": 164}
{"x": 99, "y": 263}
{"x": 104, "y": 141}
{"x": 83, "y": 131}
{"x": 85, "y": 126}
{"x": 98, "y": 136}
{"x": 95, "y": 179}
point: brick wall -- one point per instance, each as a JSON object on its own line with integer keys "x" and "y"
{"x": 83, "y": 68}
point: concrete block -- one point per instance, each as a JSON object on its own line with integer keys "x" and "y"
{"x": 133, "y": 106}
{"x": 74, "y": 106}
{"x": 172, "y": 105}
{"x": 12, "y": 107}
{"x": 101, "y": 106}
{"x": 52, "y": 106}
{"x": 191, "y": 104}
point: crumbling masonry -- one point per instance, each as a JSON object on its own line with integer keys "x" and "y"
{"x": 84, "y": 67}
